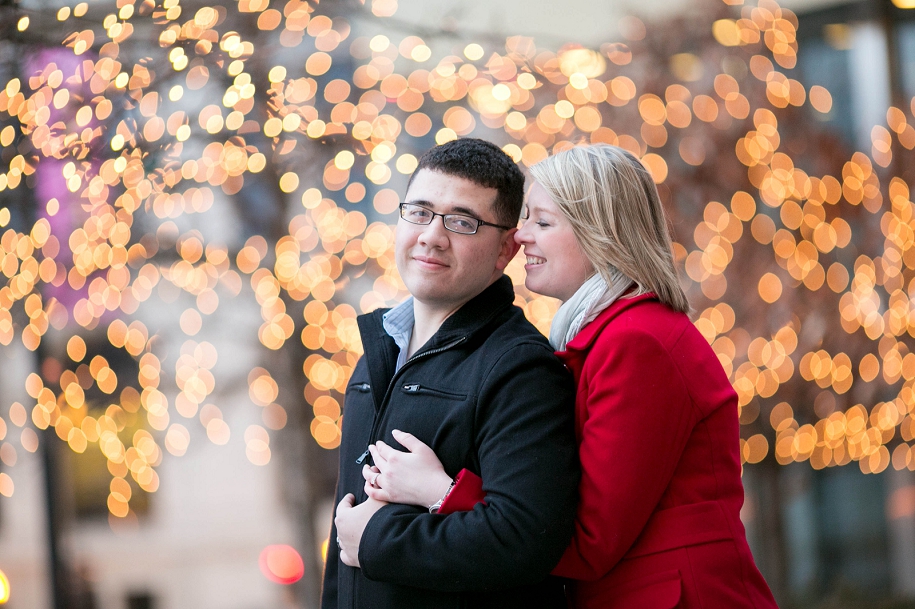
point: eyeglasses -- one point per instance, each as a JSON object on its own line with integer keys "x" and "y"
{"x": 456, "y": 223}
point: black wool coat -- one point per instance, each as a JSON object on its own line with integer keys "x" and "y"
{"x": 487, "y": 394}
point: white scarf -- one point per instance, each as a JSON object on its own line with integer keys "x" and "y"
{"x": 585, "y": 305}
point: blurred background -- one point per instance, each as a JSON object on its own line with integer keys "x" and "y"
{"x": 196, "y": 200}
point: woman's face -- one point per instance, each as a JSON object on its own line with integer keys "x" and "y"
{"x": 556, "y": 266}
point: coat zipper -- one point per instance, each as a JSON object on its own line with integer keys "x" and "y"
{"x": 388, "y": 392}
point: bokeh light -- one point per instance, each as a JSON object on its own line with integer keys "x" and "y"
{"x": 4, "y": 588}
{"x": 281, "y": 564}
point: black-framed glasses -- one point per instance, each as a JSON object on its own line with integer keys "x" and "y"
{"x": 456, "y": 223}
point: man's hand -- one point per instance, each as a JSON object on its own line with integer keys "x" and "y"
{"x": 351, "y": 522}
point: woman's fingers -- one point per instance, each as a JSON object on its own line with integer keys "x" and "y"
{"x": 378, "y": 458}
{"x": 389, "y": 454}
{"x": 369, "y": 472}
{"x": 409, "y": 441}
{"x": 379, "y": 494}
{"x": 383, "y": 450}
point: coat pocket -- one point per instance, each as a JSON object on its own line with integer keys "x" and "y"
{"x": 425, "y": 390}
{"x": 660, "y": 590}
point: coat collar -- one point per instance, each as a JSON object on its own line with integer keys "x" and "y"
{"x": 381, "y": 350}
{"x": 584, "y": 340}
{"x": 477, "y": 313}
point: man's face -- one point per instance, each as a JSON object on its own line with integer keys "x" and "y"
{"x": 442, "y": 269}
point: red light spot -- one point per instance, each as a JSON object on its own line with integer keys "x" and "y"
{"x": 281, "y": 564}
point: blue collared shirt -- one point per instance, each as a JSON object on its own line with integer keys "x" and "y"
{"x": 398, "y": 323}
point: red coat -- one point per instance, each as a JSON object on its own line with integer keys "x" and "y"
{"x": 658, "y": 522}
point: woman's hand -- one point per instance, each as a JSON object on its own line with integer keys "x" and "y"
{"x": 413, "y": 478}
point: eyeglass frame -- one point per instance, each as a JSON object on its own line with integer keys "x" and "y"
{"x": 445, "y": 219}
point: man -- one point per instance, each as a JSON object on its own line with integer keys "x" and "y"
{"x": 460, "y": 368}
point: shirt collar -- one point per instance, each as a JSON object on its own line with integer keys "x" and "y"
{"x": 398, "y": 323}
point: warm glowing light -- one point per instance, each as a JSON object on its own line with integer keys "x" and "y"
{"x": 527, "y": 81}
{"x": 4, "y": 588}
{"x": 770, "y": 287}
{"x": 344, "y": 159}
{"x": 281, "y": 564}
{"x": 407, "y": 164}
{"x": 727, "y": 32}
{"x": 820, "y": 99}
{"x": 76, "y": 348}
{"x": 289, "y": 182}
{"x": 445, "y": 135}
{"x": 379, "y": 43}
{"x": 473, "y": 52}
{"x": 686, "y": 67}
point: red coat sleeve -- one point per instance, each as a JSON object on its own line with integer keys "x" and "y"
{"x": 637, "y": 416}
{"x": 467, "y": 492}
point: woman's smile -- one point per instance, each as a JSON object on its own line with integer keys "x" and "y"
{"x": 534, "y": 260}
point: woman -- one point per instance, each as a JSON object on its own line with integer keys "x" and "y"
{"x": 658, "y": 523}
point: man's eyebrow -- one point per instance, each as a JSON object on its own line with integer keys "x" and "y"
{"x": 465, "y": 211}
{"x": 454, "y": 210}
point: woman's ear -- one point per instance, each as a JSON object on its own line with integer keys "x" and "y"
{"x": 509, "y": 247}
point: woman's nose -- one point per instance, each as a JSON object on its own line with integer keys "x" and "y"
{"x": 523, "y": 235}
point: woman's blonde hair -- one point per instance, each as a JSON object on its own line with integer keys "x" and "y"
{"x": 616, "y": 215}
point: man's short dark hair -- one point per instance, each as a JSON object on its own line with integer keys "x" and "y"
{"x": 482, "y": 163}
